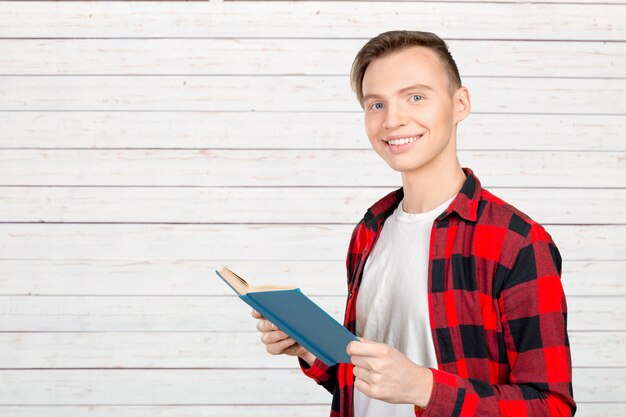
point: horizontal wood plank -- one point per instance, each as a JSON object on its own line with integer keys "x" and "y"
{"x": 139, "y": 314}
{"x": 253, "y": 130}
{"x": 112, "y": 350}
{"x": 157, "y": 277}
{"x": 593, "y": 278}
{"x": 297, "y": 93}
{"x": 592, "y": 384}
{"x": 585, "y": 409}
{"x": 310, "y": 168}
{"x": 226, "y": 243}
{"x": 598, "y": 349}
{"x": 206, "y": 387}
{"x": 257, "y": 410}
{"x": 216, "y": 314}
{"x": 215, "y": 56}
{"x": 165, "y": 387}
{"x": 274, "y": 205}
{"x": 323, "y": 19}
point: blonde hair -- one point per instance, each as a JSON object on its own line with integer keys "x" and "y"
{"x": 397, "y": 40}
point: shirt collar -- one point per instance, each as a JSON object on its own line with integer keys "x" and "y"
{"x": 466, "y": 201}
{"x": 465, "y": 204}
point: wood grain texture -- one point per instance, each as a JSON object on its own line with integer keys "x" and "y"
{"x": 227, "y": 350}
{"x": 143, "y": 144}
{"x": 296, "y": 130}
{"x": 226, "y": 243}
{"x": 257, "y": 410}
{"x": 136, "y": 204}
{"x": 324, "y": 19}
{"x": 585, "y": 409}
{"x": 163, "y": 387}
{"x": 208, "y": 387}
{"x": 241, "y": 56}
{"x": 302, "y": 168}
{"x": 217, "y": 314}
{"x": 157, "y": 277}
{"x": 297, "y": 93}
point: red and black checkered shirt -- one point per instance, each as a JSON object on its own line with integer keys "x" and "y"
{"x": 497, "y": 311}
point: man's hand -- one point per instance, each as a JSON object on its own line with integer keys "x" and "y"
{"x": 278, "y": 342}
{"x": 386, "y": 374}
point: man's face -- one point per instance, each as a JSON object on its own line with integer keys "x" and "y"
{"x": 410, "y": 117}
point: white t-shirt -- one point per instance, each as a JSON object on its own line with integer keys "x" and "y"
{"x": 392, "y": 302}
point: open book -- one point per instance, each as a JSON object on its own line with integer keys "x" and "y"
{"x": 297, "y": 315}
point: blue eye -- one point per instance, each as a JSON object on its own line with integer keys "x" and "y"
{"x": 417, "y": 95}
{"x": 373, "y": 106}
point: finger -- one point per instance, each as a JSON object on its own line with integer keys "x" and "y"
{"x": 274, "y": 337}
{"x": 269, "y": 326}
{"x": 265, "y": 325}
{"x": 279, "y": 347}
{"x": 256, "y": 314}
{"x": 362, "y": 374}
{"x": 361, "y": 361}
{"x": 286, "y": 343}
{"x": 371, "y": 349}
{"x": 363, "y": 386}
{"x": 260, "y": 326}
{"x": 294, "y": 349}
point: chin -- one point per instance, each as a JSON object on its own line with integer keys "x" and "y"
{"x": 405, "y": 167}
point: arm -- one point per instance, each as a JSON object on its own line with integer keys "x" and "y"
{"x": 534, "y": 319}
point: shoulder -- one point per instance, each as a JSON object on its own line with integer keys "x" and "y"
{"x": 514, "y": 239}
{"x": 495, "y": 213}
{"x": 378, "y": 212}
{"x": 369, "y": 225}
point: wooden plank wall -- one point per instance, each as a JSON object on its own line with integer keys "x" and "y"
{"x": 144, "y": 144}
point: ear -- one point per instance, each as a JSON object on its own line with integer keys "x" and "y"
{"x": 462, "y": 104}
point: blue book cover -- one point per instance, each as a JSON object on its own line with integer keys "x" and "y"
{"x": 298, "y": 316}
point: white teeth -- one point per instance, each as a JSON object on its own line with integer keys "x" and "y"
{"x": 403, "y": 141}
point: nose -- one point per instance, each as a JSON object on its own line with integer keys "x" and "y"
{"x": 395, "y": 116}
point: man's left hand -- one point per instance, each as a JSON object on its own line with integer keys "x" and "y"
{"x": 384, "y": 373}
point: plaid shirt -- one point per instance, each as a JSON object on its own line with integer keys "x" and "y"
{"x": 497, "y": 311}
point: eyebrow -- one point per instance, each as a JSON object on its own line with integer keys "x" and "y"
{"x": 402, "y": 90}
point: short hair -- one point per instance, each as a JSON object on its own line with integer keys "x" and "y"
{"x": 397, "y": 40}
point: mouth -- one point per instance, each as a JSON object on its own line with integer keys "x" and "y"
{"x": 398, "y": 141}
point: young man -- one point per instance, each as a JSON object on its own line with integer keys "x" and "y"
{"x": 455, "y": 294}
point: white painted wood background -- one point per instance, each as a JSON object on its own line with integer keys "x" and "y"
{"x": 144, "y": 144}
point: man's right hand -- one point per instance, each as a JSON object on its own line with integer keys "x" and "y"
{"x": 278, "y": 342}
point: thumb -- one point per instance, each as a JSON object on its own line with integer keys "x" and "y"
{"x": 350, "y": 348}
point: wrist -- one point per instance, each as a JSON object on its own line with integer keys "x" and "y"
{"x": 424, "y": 387}
{"x": 307, "y": 357}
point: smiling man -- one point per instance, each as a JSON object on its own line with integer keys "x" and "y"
{"x": 455, "y": 294}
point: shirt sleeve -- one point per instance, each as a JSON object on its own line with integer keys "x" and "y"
{"x": 321, "y": 373}
{"x": 534, "y": 324}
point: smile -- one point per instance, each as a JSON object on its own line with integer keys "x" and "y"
{"x": 402, "y": 141}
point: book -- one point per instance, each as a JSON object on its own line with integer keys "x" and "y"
{"x": 297, "y": 315}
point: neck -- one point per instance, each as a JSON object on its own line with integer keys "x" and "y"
{"x": 431, "y": 185}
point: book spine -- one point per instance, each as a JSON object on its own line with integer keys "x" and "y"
{"x": 282, "y": 326}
